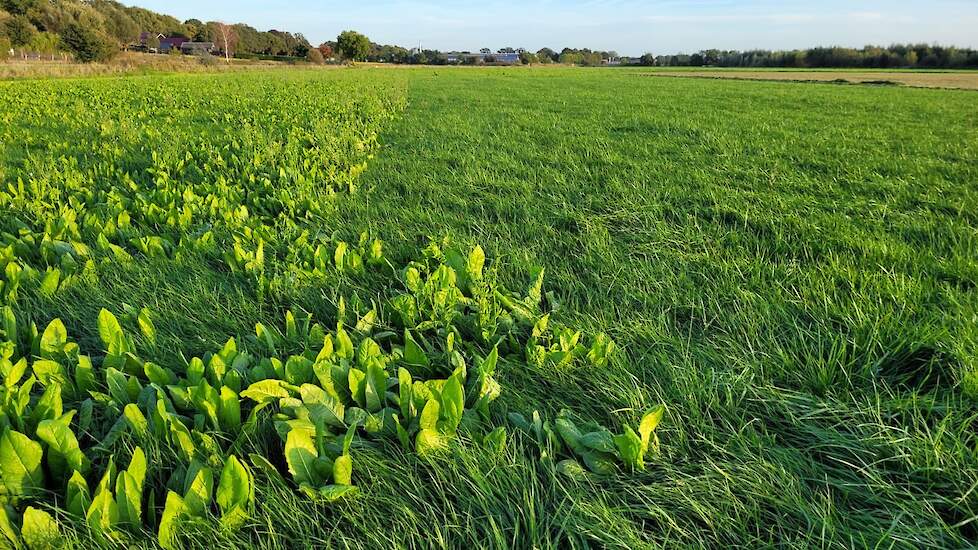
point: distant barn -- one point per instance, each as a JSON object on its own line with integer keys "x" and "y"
{"x": 197, "y": 48}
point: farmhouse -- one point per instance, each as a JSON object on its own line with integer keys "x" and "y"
{"x": 172, "y": 42}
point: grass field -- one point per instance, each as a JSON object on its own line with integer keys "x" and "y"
{"x": 789, "y": 268}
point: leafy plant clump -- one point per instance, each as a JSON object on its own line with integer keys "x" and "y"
{"x": 417, "y": 379}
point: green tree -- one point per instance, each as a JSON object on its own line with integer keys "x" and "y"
{"x": 19, "y": 30}
{"x": 153, "y": 41}
{"x": 45, "y": 43}
{"x": 4, "y": 48}
{"x": 353, "y": 45}
{"x": 88, "y": 44}
{"x": 647, "y": 60}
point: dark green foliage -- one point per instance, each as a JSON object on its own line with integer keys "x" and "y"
{"x": 19, "y": 7}
{"x": 87, "y": 44}
{"x": 19, "y": 30}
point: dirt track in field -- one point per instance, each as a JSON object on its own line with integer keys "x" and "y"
{"x": 958, "y": 80}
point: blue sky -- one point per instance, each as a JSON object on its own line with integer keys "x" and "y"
{"x": 627, "y": 26}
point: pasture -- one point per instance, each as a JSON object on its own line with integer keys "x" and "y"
{"x": 489, "y": 308}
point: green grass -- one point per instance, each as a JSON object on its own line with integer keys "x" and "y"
{"x": 789, "y": 267}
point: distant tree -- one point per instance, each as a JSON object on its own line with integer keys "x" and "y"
{"x": 485, "y": 51}
{"x": 546, "y": 55}
{"x": 119, "y": 25}
{"x": 153, "y": 41}
{"x": 528, "y": 58}
{"x": 226, "y": 38}
{"x": 19, "y": 30}
{"x": 353, "y": 45}
{"x": 44, "y": 43}
{"x": 507, "y": 50}
{"x": 647, "y": 60}
{"x": 315, "y": 57}
{"x": 88, "y": 44}
{"x": 911, "y": 58}
{"x": 326, "y": 50}
{"x": 4, "y": 48}
{"x": 194, "y": 26}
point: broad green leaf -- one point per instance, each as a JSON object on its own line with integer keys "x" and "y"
{"x": 429, "y": 415}
{"x": 40, "y": 530}
{"x": 173, "y": 512}
{"x": 64, "y": 454}
{"x": 129, "y": 500}
{"x": 298, "y": 370}
{"x": 110, "y": 331}
{"x": 323, "y": 408}
{"x": 199, "y": 490}
{"x": 300, "y": 455}
{"x": 599, "y": 463}
{"x": 570, "y": 435}
{"x": 235, "y": 493}
{"x": 9, "y": 533}
{"x": 452, "y": 403}
{"x": 265, "y": 391}
{"x": 49, "y": 406}
{"x": 103, "y": 513}
{"x": 376, "y": 386}
{"x": 477, "y": 259}
{"x": 78, "y": 497}
{"x": 20, "y": 464}
{"x": 357, "y": 380}
{"x": 136, "y": 420}
{"x": 406, "y": 394}
{"x": 429, "y": 441}
{"x": 230, "y": 411}
{"x": 16, "y": 372}
{"x": 413, "y": 354}
{"x": 137, "y": 467}
{"x": 84, "y": 374}
{"x": 343, "y": 470}
{"x": 146, "y": 325}
{"x": 158, "y": 375}
{"x": 599, "y": 440}
{"x": 53, "y": 340}
{"x": 49, "y": 372}
{"x": 629, "y": 446}
{"x": 649, "y": 423}
{"x": 118, "y": 384}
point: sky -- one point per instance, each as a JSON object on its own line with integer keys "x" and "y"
{"x": 630, "y": 27}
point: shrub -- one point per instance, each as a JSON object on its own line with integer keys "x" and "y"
{"x": 4, "y": 48}
{"x": 207, "y": 59}
{"x": 87, "y": 44}
{"x": 315, "y": 57}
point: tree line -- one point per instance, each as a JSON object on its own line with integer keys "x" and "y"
{"x": 922, "y": 56}
{"x": 96, "y": 30}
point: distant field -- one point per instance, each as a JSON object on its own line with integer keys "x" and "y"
{"x": 127, "y": 63}
{"x": 965, "y": 80}
{"x": 413, "y": 262}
